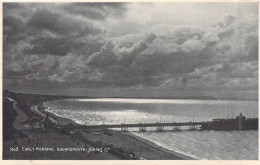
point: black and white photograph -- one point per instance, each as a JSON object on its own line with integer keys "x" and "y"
{"x": 130, "y": 80}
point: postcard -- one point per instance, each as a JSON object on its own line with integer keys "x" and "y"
{"x": 130, "y": 81}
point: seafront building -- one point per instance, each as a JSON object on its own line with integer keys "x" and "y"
{"x": 239, "y": 123}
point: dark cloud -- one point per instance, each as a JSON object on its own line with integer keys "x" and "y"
{"x": 11, "y": 6}
{"x": 58, "y": 23}
{"x": 248, "y": 46}
{"x": 53, "y": 46}
{"x": 237, "y": 70}
{"x": 13, "y": 30}
{"x": 228, "y": 20}
{"x": 45, "y": 19}
{"x": 117, "y": 64}
{"x": 226, "y": 34}
{"x": 251, "y": 47}
{"x": 111, "y": 55}
{"x": 105, "y": 57}
{"x": 100, "y": 5}
{"x": 128, "y": 55}
{"x": 83, "y": 11}
{"x": 99, "y": 11}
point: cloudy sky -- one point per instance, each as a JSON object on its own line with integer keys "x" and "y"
{"x": 131, "y": 49}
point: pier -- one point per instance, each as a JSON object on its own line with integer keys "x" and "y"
{"x": 238, "y": 123}
{"x": 143, "y": 126}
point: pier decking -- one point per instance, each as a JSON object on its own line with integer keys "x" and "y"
{"x": 143, "y": 126}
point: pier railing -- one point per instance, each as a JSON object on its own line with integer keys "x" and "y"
{"x": 143, "y": 126}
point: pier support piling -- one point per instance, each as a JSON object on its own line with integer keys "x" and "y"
{"x": 159, "y": 128}
{"x": 124, "y": 129}
{"x": 176, "y": 128}
{"x": 193, "y": 127}
{"x": 142, "y": 129}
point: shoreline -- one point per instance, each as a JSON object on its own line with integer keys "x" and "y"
{"x": 139, "y": 140}
{"x": 163, "y": 149}
{"x": 61, "y": 121}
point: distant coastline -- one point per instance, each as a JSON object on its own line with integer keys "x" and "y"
{"x": 129, "y": 97}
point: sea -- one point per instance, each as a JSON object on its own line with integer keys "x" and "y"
{"x": 209, "y": 145}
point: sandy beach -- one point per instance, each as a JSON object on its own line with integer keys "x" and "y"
{"x": 134, "y": 144}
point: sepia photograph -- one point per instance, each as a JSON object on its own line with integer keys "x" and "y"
{"x": 130, "y": 81}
